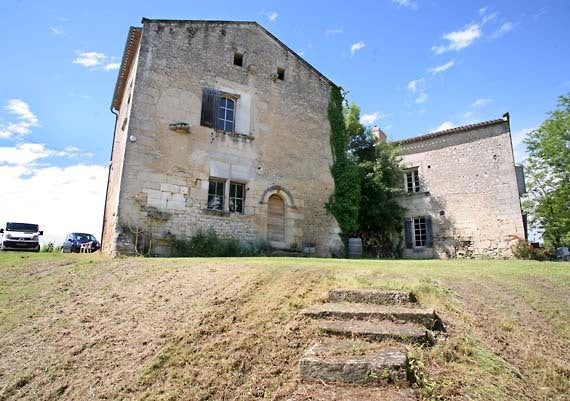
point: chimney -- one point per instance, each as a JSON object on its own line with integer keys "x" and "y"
{"x": 378, "y": 134}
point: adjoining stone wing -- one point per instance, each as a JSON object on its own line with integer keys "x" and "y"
{"x": 461, "y": 192}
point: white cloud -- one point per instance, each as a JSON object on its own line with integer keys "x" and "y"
{"x": 356, "y": 46}
{"x": 371, "y": 118}
{"x": 416, "y": 85}
{"x": 97, "y": 61}
{"x": 480, "y": 103}
{"x": 441, "y": 68}
{"x": 443, "y": 126}
{"x": 59, "y": 199}
{"x": 422, "y": 98}
{"x": 412, "y": 5}
{"x": 483, "y": 10}
{"x": 488, "y": 18}
{"x": 330, "y": 32}
{"x": 90, "y": 59}
{"x": 51, "y": 196}
{"x": 505, "y": 28}
{"x": 111, "y": 66}
{"x": 56, "y": 31}
{"x": 272, "y": 15}
{"x": 23, "y": 154}
{"x": 25, "y": 119}
{"x": 459, "y": 39}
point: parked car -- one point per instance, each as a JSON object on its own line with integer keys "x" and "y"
{"x": 21, "y": 237}
{"x": 73, "y": 242}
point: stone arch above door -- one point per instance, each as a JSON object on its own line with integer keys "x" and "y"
{"x": 278, "y": 190}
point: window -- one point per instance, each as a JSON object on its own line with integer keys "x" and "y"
{"x": 238, "y": 59}
{"x": 237, "y": 197}
{"x": 218, "y": 111}
{"x": 420, "y": 231}
{"x": 226, "y": 114}
{"x": 281, "y": 73}
{"x": 216, "y": 195}
{"x": 412, "y": 181}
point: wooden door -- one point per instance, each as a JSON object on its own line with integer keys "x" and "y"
{"x": 275, "y": 219}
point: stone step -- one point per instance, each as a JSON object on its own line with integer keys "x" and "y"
{"x": 423, "y": 316}
{"x": 390, "y": 297}
{"x": 347, "y": 363}
{"x": 376, "y": 331}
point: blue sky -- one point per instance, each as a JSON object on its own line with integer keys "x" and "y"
{"x": 413, "y": 66}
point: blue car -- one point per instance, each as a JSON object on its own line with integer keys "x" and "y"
{"x": 74, "y": 241}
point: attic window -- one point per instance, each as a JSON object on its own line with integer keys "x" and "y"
{"x": 238, "y": 59}
{"x": 281, "y": 73}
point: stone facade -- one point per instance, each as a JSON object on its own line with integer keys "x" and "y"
{"x": 467, "y": 189}
{"x": 164, "y": 159}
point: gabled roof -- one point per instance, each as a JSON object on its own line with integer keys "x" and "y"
{"x": 135, "y": 35}
{"x": 452, "y": 131}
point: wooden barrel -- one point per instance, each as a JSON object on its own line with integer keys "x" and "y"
{"x": 354, "y": 248}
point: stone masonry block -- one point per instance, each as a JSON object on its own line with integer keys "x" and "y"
{"x": 173, "y": 205}
{"x": 172, "y": 179}
{"x": 152, "y": 193}
{"x": 169, "y": 188}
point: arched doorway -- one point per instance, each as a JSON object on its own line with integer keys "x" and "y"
{"x": 275, "y": 219}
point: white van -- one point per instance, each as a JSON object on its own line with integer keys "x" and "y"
{"x": 21, "y": 236}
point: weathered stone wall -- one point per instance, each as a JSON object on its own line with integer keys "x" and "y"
{"x": 281, "y": 143}
{"x": 469, "y": 188}
{"x": 110, "y": 224}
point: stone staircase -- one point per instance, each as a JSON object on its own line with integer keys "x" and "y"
{"x": 365, "y": 335}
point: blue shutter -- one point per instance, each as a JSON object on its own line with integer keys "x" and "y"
{"x": 408, "y": 233}
{"x": 210, "y": 100}
{"x": 429, "y": 232}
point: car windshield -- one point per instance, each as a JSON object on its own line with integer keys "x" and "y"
{"x": 84, "y": 237}
{"x": 23, "y": 227}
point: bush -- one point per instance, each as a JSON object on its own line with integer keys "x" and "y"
{"x": 523, "y": 250}
{"x": 209, "y": 244}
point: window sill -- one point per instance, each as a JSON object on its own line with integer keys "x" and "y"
{"x": 425, "y": 193}
{"x": 222, "y": 213}
{"x": 236, "y": 135}
{"x": 214, "y": 212}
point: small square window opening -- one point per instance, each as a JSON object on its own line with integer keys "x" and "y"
{"x": 281, "y": 73}
{"x": 238, "y": 59}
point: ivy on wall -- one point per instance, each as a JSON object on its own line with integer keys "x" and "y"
{"x": 345, "y": 201}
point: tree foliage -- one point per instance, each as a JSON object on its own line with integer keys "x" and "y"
{"x": 380, "y": 214}
{"x": 548, "y": 176}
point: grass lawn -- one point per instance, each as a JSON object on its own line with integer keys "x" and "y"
{"x": 76, "y": 327}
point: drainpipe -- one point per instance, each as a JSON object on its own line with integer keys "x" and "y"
{"x": 109, "y": 175}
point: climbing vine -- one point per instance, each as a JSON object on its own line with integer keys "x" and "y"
{"x": 344, "y": 202}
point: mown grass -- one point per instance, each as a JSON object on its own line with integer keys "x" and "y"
{"x": 506, "y": 323}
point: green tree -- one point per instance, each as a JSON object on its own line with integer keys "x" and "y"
{"x": 548, "y": 176}
{"x": 380, "y": 214}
